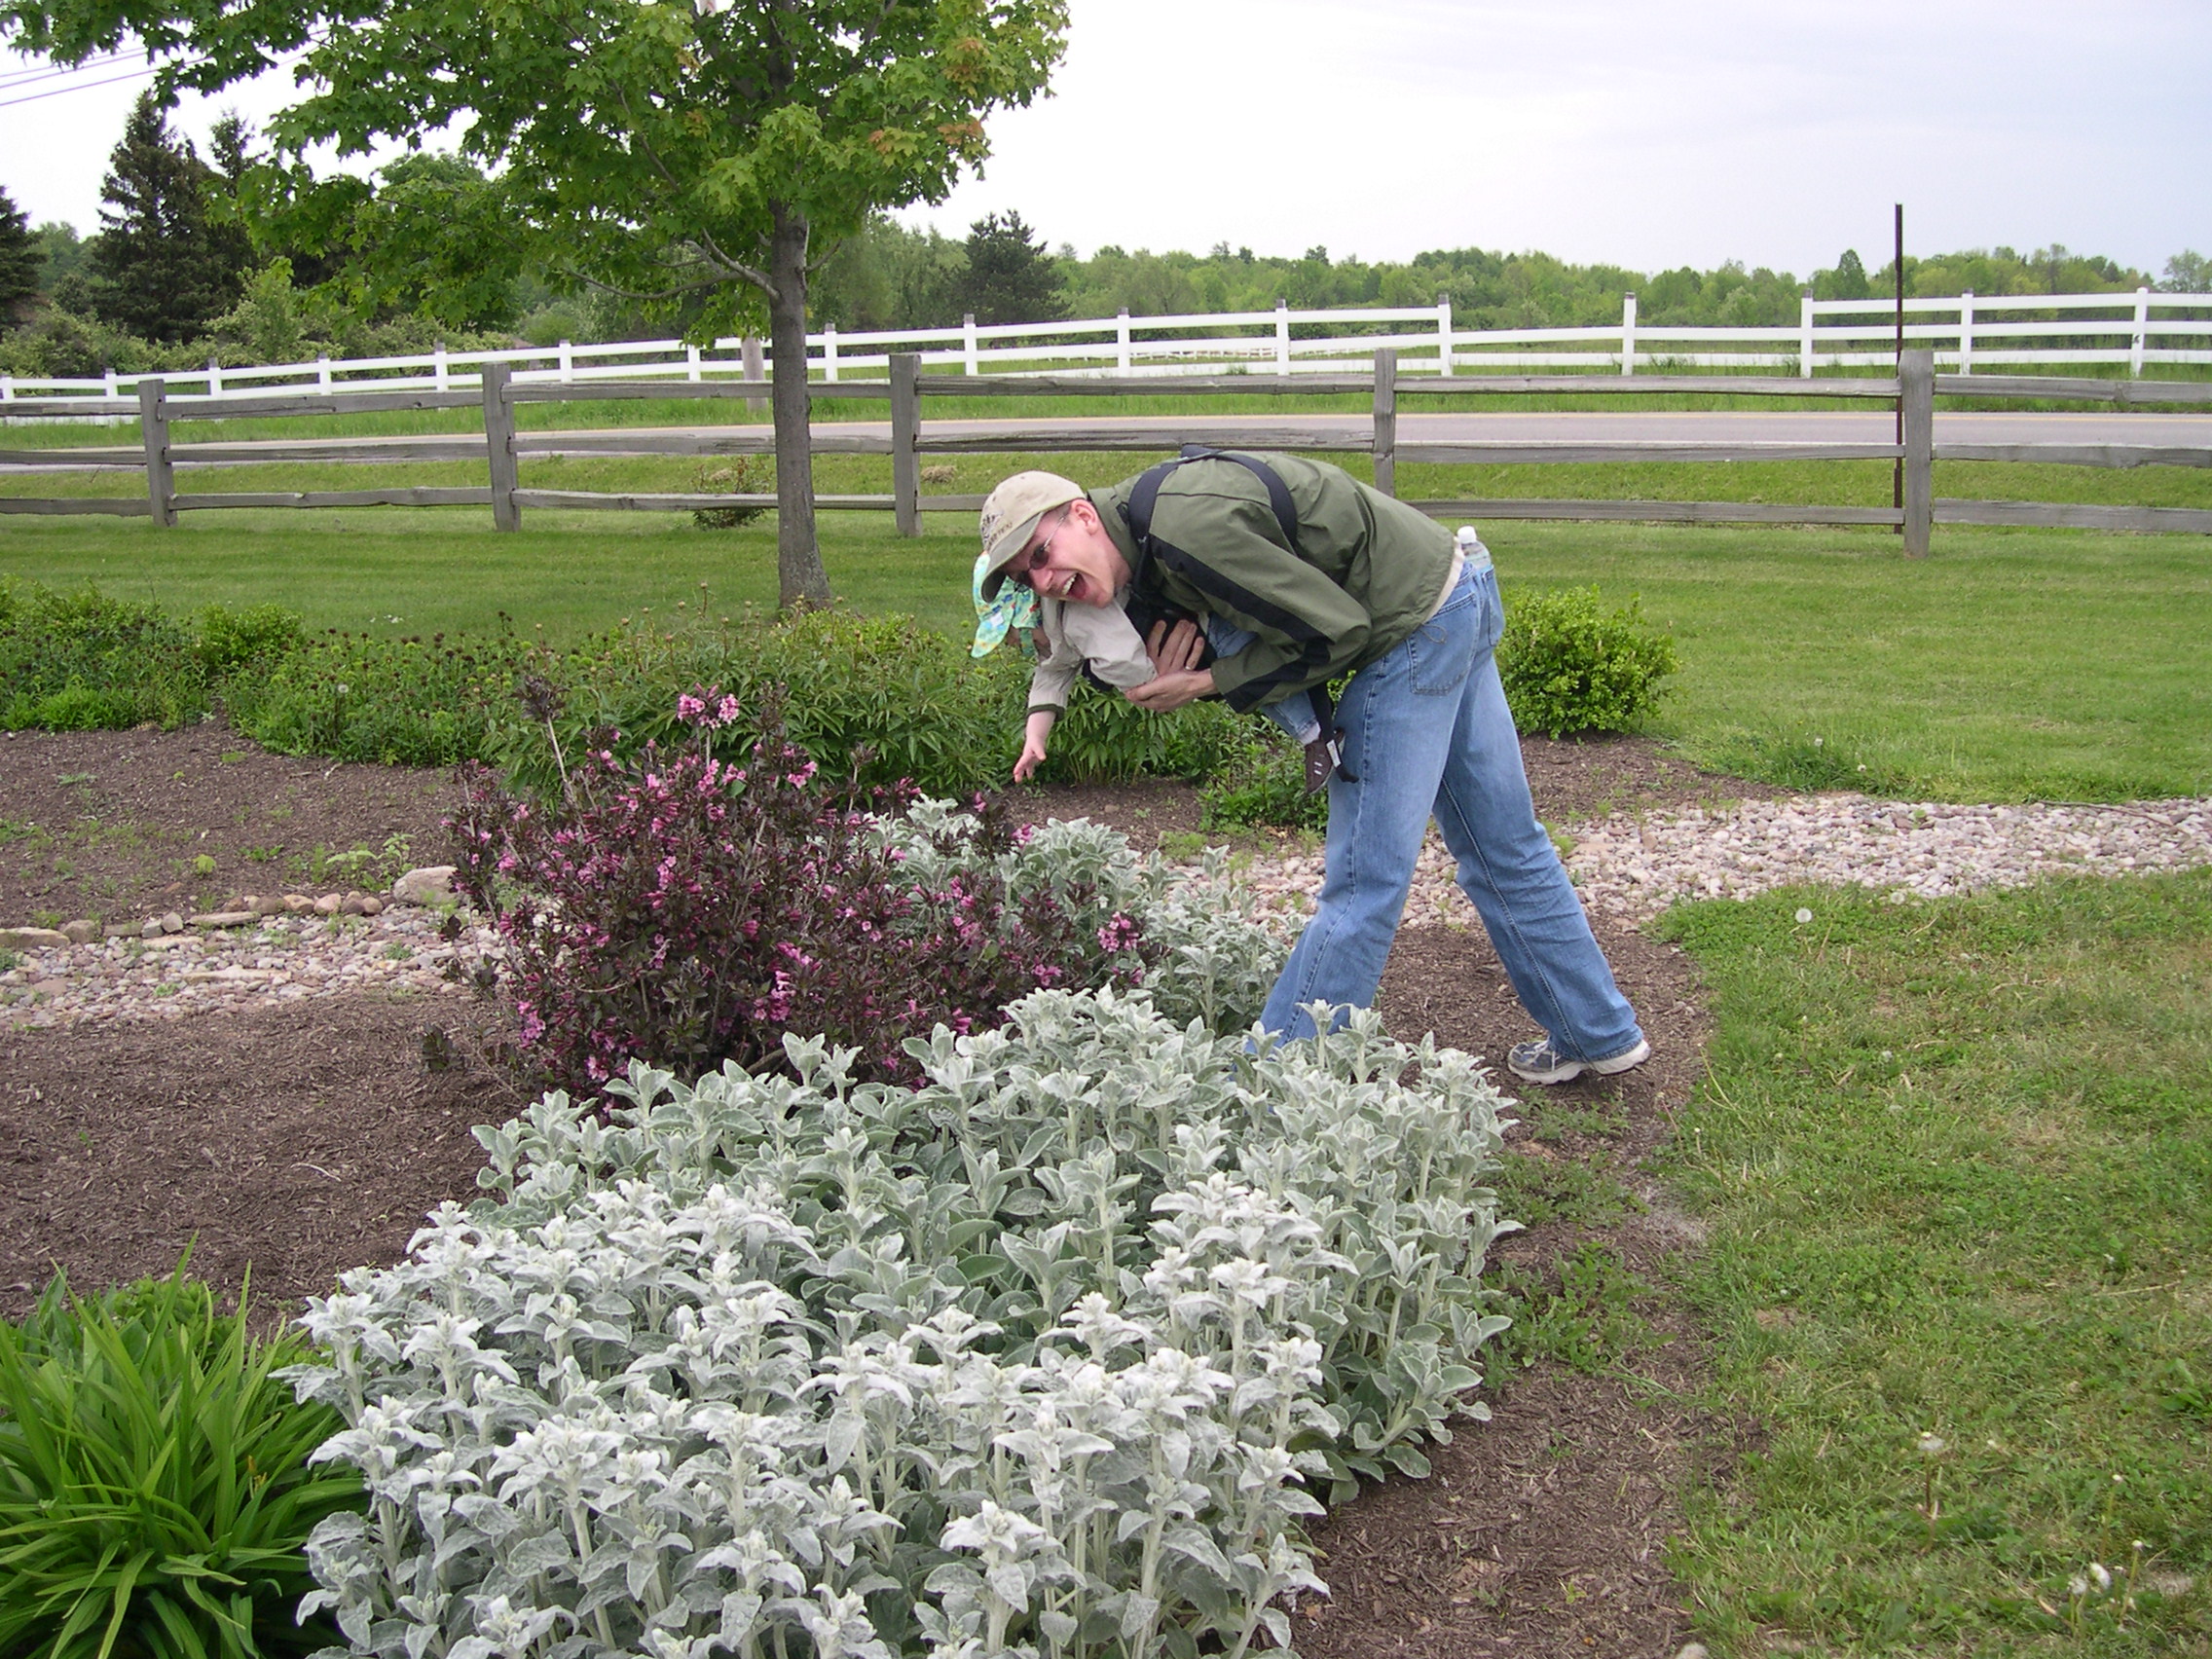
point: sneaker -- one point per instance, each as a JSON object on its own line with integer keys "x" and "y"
{"x": 1323, "y": 755}
{"x": 1537, "y": 1062}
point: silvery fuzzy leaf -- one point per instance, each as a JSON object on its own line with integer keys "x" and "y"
{"x": 1137, "y": 1613}
{"x": 547, "y": 1552}
{"x": 1058, "y": 1626}
{"x": 1131, "y": 1522}
{"x": 740, "y": 1616}
{"x": 1192, "y": 1541}
{"x": 491, "y": 1516}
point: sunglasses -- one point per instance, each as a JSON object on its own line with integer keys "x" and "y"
{"x": 1040, "y": 556}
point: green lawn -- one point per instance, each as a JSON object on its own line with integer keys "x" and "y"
{"x": 2013, "y": 664}
{"x": 1955, "y": 1163}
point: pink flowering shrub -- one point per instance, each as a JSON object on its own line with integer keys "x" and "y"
{"x": 685, "y": 911}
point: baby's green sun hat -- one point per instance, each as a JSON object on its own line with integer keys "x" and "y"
{"x": 1012, "y": 606}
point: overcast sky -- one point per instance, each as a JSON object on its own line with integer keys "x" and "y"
{"x": 1766, "y": 130}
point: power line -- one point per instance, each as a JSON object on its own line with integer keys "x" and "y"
{"x": 80, "y": 87}
{"x": 12, "y": 78}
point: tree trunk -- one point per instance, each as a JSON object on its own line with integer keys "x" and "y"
{"x": 799, "y": 577}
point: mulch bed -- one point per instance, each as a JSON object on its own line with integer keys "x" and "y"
{"x": 299, "y": 1140}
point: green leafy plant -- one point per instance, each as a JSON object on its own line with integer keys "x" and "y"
{"x": 83, "y": 662}
{"x": 409, "y": 702}
{"x": 156, "y": 1493}
{"x": 1261, "y": 781}
{"x": 745, "y": 475}
{"x": 1570, "y": 665}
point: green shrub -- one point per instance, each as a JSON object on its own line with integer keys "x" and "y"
{"x": 1105, "y": 738}
{"x": 407, "y": 702}
{"x": 1570, "y": 666}
{"x": 1262, "y": 782}
{"x": 255, "y": 639}
{"x": 745, "y": 475}
{"x": 86, "y": 661}
{"x": 155, "y": 1492}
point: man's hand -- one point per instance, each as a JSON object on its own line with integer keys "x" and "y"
{"x": 1173, "y": 650}
{"x": 1032, "y": 758}
{"x": 1172, "y": 690}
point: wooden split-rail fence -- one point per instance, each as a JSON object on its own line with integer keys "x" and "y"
{"x": 503, "y": 447}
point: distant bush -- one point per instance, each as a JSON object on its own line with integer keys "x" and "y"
{"x": 408, "y": 702}
{"x": 1570, "y": 665}
{"x": 85, "y": 661}
{"x": 745, "y": 475}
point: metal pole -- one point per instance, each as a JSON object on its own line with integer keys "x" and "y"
{"x": 1896, "y": 479}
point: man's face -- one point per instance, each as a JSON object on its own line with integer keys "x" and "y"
{"x": 1070, "y": 557}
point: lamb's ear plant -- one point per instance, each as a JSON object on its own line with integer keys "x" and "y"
{"x": 154, "y": 1489}
{"x": 1038, "y": 1356}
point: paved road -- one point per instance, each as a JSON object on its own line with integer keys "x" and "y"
{"x": 2104, "y": 426}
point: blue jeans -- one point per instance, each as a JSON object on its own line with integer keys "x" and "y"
{"x": 1426, "y": 732}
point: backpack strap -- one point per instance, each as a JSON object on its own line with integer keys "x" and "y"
{"x": 1145, "y": 494}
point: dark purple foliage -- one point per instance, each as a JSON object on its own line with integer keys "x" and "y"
{"x": 683, "y": 910}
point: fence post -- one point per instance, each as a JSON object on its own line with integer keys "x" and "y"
{"x": 1627, "y": 332}
{"x": 567, "y": 362}
{"x": 905, "y": 428}
{"x": 215, "y": 378}
{"x": 1444, "y": 334}
{"x": 441, "y": 370}
{"x": 829, "y": 350}
{"x": 161, "y": 471}
{"x": 1805, "y": 334}
{"x": 500, "y": 446}
{"x": 1386, "y": 420}
{"x": 1282, "y": 337}
{"x": 1916, "y": 387}
{"x": 1965, "y": 332}
{"x": 969, "y": 365}
{"x": 2142, "y": 327}
{"x": 1122, "y": 342}
{"x": 322, "y": 373}
{"x": 749, "y": 354}
{"x": 113, "y": 390}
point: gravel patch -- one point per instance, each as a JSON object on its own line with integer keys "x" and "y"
{"x": 1627, "y": 866}
{"x": 283, "y": 959}
{"x": 1635, "y": 864}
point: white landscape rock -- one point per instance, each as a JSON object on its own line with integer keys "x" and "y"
{"x": 432, "y": 884}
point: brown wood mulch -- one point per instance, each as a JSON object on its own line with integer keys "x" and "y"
{"x": 295, "y": 1141}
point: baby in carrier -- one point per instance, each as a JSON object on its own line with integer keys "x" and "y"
{"x": 1105, "y": 645}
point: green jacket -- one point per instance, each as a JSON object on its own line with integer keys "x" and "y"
{"x": 1367, "y": 572}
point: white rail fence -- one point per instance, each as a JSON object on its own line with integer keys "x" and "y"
{"x": 2145, "y": 330}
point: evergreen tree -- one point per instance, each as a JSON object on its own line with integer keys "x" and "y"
{"x": 161, "y": 269}
{"x": 1010, "y": 276}
{"x": 21, "y": 255}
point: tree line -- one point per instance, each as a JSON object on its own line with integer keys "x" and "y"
{"x": 215, "y": 257}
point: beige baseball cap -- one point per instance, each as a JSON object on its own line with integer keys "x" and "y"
{"x": 1009, "y": 519}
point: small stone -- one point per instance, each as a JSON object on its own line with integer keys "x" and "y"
{"x": 150, "y": 928}
{"x": 1692, "y": 1650}
{"x": 267, "y": 905}
{"x": 372, "y": 905}
{"x": 172, "y": 923}
{"x": 31, "y": 938}
{"x": 123, "y": 930}
{"x": 224, "y": 920}
{"x": 297, "y": 905}
{"x": 328, "y": 904}
{"x": 432, "y": 884}
{"x": 82, "y": 932}
{"x": 352, "y": 905}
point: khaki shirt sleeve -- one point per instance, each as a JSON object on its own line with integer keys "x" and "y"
{"x": 1308, "y": 629}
